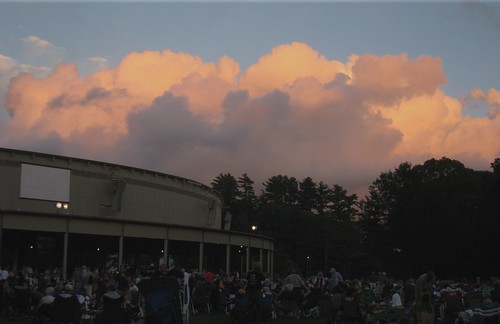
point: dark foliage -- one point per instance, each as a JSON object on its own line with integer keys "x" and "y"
{"x": 439, "y": 215}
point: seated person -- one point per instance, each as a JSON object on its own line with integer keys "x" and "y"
{"x": 113, "y": 311}
{"x": 487, "y": 312}
{"x": 45, "y": 307}
{"x": 67, "y": 306}
{"x": 267, "y": 304}
{"x": 48, "y": 298}
{"x": 239, "y": 309}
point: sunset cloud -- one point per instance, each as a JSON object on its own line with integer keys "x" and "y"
{"x": 293, "y": 112}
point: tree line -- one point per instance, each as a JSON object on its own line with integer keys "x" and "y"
{"x": 438, "y": 215}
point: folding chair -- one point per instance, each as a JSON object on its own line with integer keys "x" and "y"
{"x": 453, "y": 304}
{"x": 350, "y": 310}
{"x": 200, "y": 299}
{"x": 160, "y": 301}
{"x": 67, "y": 309}
{"x": 44, "y": 314}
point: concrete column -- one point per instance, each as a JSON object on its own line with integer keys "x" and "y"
{"x": 248, "y": 259}
{"x": 65, "y": 256}
{"x": 268, "y": 268}
{"x": 271, "y": 254}
{"x": 228, "y": 258}
{"x": 200, "y": 265}
{"x": 120, "y": 251}
{"x": 165, "y": 251}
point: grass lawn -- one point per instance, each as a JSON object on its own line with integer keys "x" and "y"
{"x": 221, "y": 318}
{"x": 201, "y": 318}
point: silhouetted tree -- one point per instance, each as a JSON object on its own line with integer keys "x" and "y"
{"x": 308, "y": 195}
{"x": 280, "y": 189}
{"x": 344, "y": 207}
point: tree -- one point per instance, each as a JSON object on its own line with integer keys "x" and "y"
{"x": 495, "y": 165}
{"x": 227, "y": 187}
{"x": 280, "y": 189}
{"x": 246, "y": 203}
{"x": 322, "y": 202}
{"x": 308, "y": 195}
{"x": 246, "y": 193}
{"x": 430, "y": 216}
{"x": 344, "y": 207}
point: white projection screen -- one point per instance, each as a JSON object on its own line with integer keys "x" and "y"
{"x": 45, "y": 183}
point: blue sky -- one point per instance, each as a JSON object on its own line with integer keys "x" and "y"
{"x": 464, "y": 37}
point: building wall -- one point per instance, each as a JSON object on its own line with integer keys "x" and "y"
{"x": 113, "y": 201}
{"x": 111, "y": 191}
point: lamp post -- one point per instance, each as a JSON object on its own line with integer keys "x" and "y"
{"x": 308, "y": 266}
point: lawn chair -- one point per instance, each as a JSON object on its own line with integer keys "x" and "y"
{"x": 160, "y": 301}
{"x": 350, "y": 311}
{"x": 67, "y": 309}
{"x": 453, "y": 304}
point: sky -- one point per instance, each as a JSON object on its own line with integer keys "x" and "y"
{"x": 336, "y": 91}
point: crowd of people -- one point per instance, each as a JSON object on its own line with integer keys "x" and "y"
{"x": 167, "y": 295}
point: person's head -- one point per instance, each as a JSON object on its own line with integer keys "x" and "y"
{"x": 431, "y": 277}
{"x": 112, "y": 286}
{"x": 68, "y": 288}
{"x": 177, "y": 274}
{"x": 49, "y": 291}
{"x": 163, "y": 268}
{"x": 320, "y": 274}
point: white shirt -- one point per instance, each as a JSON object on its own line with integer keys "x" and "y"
{"x": 396, "y": 300}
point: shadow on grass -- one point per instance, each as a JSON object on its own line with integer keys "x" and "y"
{"x": 221, "y": 318}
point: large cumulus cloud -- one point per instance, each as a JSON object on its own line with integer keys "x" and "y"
{"x": 293, "y": 112}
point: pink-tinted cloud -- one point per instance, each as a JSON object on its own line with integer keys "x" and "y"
{"x": 294, "y": 112}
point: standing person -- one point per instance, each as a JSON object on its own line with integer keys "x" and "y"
{"x": 319, "y": 282}
{"x": 423, "y": 286}
{"x": 424, "y": 312}
{"x": 162, "y": 296}
{"x": 335, "y": 277}
{"x": 255, "y": 278}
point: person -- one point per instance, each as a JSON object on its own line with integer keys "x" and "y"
{"x": 424, "y": 285}
{"x": 239, "y": 309}
{"x": 409, "y": 293}
{"x": 424, "y": 311}
{"x": 396, "y": 298}
{"x": 255, "y": 278}
{"x": 162, "y": 296}
{"x": 487, "y": 311}
{"x": 294, "y": 293}
{"x": 45, "y": 309}
{"x": 319, "y": 282}
{"x": 267, "y": 304}
{"x": 113, "y": 311}
{"x": 335, "y": 277}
